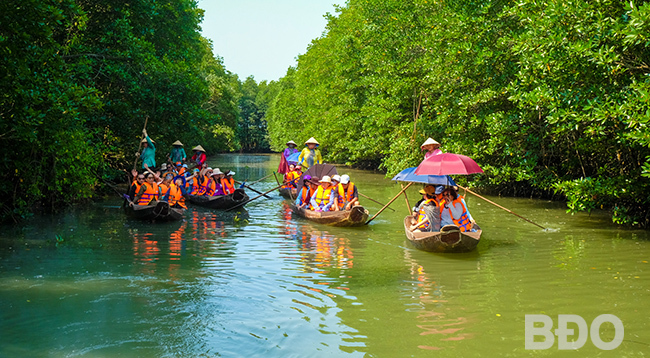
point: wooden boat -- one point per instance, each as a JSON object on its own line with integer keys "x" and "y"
{"x": 159, "y": 212}
{"x": 221, "y": 202}
{"x": 448, "y": 239}
{"x": 356, "y": 216}
{"x": 289, "y": 193}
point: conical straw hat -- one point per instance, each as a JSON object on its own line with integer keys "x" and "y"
{"x": 429, "y": 142}
{"x": 291, "y": 142}
{"x": 312, "y": 140}
{"x": 144, "y": 140}
{"x": 199, "y": 148}
{"x": 178, "y": 142}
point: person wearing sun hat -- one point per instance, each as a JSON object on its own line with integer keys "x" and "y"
{"x": 283, "y": 168}
{"x": 148, "y": 155}
{"x": 228, "y": 182}
{"x": 304, "y": 196}
{"x": 323, "y": 197}
{"x": 432, "y": 147}
{"x": 199, "y": 156}
{"x": 427, "y": 217}
{"x": 310, "y": 155}
{"x": 347, "y": 193}
{"x": 178, "y": 153}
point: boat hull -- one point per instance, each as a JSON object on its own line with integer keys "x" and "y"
{"x": 448, "y": 239}
{"x": 160, "y": 212}
{"x": 289, "y": 193}
{"x": 221, "y": 202}
{"x": 357, "y": 216}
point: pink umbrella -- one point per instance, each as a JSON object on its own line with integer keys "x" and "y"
{"x": 448, "y": 164}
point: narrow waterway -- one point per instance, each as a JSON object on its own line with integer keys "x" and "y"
{"x": 92, "y": 283}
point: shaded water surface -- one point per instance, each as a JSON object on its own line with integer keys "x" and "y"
{"x": 259, "y": 282}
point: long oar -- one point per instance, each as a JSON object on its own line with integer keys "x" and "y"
{"x": 247, "y": 186}
{"x": 501, "y": 207}
{"x": 390, "y": 202}
{"x": 259, "y": 180}
{"x": 140, "y": 144}
{"x": 408, "y": 205}
{"x": 371, "y": 199}
{"x": 246, "y": 202}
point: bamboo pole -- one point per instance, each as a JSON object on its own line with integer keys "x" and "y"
{"x": 247, "y": 186}
{"x": 371, "y": 199}
{"x": 501, "y": 207}
{"x": 135, "y": 165}
{"x": 408, "y": 205}
{"x": 259, "y": 180}
{"x": 246, "y": 202}
{"x": 390, "y": 202}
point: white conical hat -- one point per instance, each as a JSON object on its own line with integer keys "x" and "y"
{"x": 178, "y": 142}
{"x": 198, "y": 147}
{"x": 429, "y": 142}
{"x": 312, "y": 140}
{"x": 291, "y": 142}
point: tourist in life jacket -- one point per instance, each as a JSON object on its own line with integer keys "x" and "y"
{"x": 148, "y": 155}
{"x": 347, "y": 194}
{"x": 453, "y": 211}
{"x": 167, "y": 180}
{"x": 176, "y": 193}
{"x": 432, "y": 148}
{"x": 135, "y": 186}
{"x": 324, "y": 196}
{"x": 427, "y": 217}
{"x": 310, "y": 155}
{"x": 336, "y": 179}
{"x": 216, "y": 184}
{"x": 203, "y": 181}
{"x": 283, "y": 168}
{"x": 304, "y": 196}
{"x": 288, "y": 177}
{"x": 198, "y": 159}
{"x": 149, "y": 192}
{"x": 177, "y": 153}
{"x": 228, "y": 183}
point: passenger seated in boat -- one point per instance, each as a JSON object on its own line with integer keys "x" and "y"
{"x": 138, "y": 180}
{"x": 347, "y": 194}
{"x": 192, "y": 182}
{"x": 453, "y": 211}
{"x": 323, "y": 198}
{"x": 336, "y": 179}
{"x": 203, "y": 182}
{"x": 228, "y": 183}
{"x": 149, "y": 192}
{"x": 289, "y": 178}
{"x": 305, "y": 193}
{"x": 175, "y": 194}
{"x": 431, "y": 189}
{"x": 216, "y": 187}
{"x": 164, "y": 185}
{"x": 428, "y": 215}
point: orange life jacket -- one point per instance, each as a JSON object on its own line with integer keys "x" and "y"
{"x": 228, "y": 185}
{"x": 163, "y": 188}
{"x": 288, "y": 177}
{"x": 305, "y": 194}
{"x": 202, "y": 185}
{"x": 322, "y": 196}
{"x": 181, "y": 171}
{"x": 422, "y": 214}
{"x": 137, "y": 187}
{"x": 345, "y": 195}
{"x": 462, "y": 222}
{"x": 150, "y": 193}
{"x": 211, "y": 187}
{"x": 176, "y": 196}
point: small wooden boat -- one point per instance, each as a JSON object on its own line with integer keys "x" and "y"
{"x": 356, "y": 216}
{"x": 221, "y": 202}
{"x": 159, "y": 212}
{"x": 448, "y": 239}
{"x": 289, "y": 193}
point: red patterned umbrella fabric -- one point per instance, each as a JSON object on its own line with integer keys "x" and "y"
{"x": 448, "y": 164}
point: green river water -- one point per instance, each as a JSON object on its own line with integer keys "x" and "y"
{"x": 92, "y": 283}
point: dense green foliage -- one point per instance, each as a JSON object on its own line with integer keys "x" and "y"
{"x": 253, "y": 104}
{"x": 550, "y": 98}
{"x": 78, "y": 80}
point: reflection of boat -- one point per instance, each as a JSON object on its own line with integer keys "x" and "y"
{"x": 448, "y": 239}
{"x": 159, "y": 212}
{"x": 356, "y": 216}
{"x": 289, "y": 193}
{"x": 221, "y": 202}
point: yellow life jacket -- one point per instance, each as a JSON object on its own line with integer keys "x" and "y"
{"x": 422, "y": 214}
{"x": 322, "y": 196}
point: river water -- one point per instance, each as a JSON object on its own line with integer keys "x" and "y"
{"x": 92, "y": 283}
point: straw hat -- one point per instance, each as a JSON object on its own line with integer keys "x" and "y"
{"x": 430, "y": 141}
{"x": 312, "y": 140}
{"x": 326, "y": 179}
{"x": 217, "y": 171}
{"x": 292, "y": 142}
{"x": 336, "y": 177}
{"x": 199, "y": 148}
{"x": 178, "y": 142}
{"x": 163, "y": 167}
{"x": 144, "y": 140}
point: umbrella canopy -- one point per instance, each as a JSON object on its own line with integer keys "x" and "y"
{"x": 317, "y": 171}
{"x": 408, "y": 175}
{"x": 293, "y": 157}
{"x": 448, "y": 164}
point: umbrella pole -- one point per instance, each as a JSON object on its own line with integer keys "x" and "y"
{"x": 501, "y": 207}
{"x": 371, "y": 199}
{"x": 390, "y": 202}
{"x": 408, "y": 205}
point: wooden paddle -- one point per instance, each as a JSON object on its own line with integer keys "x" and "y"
{"x": 246, "y": 202}
{"x": 246, "y": 186}
{"x": 501, "y": 207}
{"x": 390, "y": 202}
{"x": 371, "y": 199}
